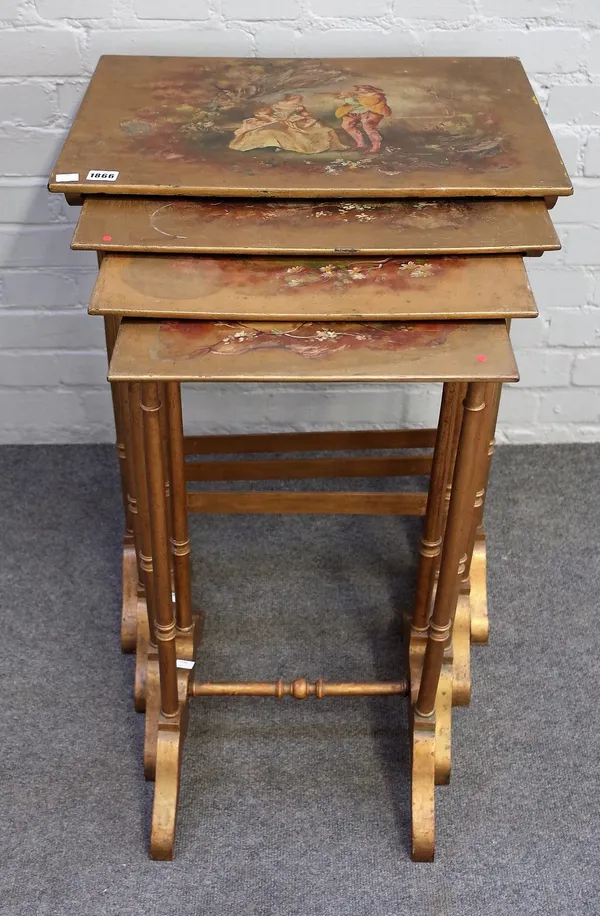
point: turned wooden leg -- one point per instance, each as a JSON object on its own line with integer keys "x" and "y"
{"x": 111, "y": 329}
{"x": 164, "y": 433}
{"x": 180, "y": 539}
{"x": 475, "y": 572}
{"x": 137, "y": 596}
{"x": 458, "y": 524}
{"x": 456, "y": 428}
{"x": 431, "y": 540}
{"x": 471, "y": 608}
{"x": 146, "y": 639}
{"x": 189, "y": 625}
{"x": 188, "y": 634}
{"x": 442, "y": 467}
{"x": 431, "y": 544}
{"x": 147, "y": 674}
{"x": 173, "y": 705}
{"x": 130, "y": 567}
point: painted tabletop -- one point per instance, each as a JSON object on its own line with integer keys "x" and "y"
{"x": 271, "y": 288}
{"x": 385, "y": 127}
{"x": 313, "y": 351}
{"x": 250, "y": 226}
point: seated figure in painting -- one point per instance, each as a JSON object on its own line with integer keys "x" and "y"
{"x": 286, "y": 125}
{"x": 364, "y": 107}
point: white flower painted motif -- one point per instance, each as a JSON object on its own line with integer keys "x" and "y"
{"x": 342, "y": 274}
{"x": 328, "y": 271}
{"x": 326, "y": 335}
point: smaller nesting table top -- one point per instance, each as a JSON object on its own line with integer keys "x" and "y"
{"x": 308, "y": 351}
{"x": 281, "y": 289}
{"x": 229, "y": 226}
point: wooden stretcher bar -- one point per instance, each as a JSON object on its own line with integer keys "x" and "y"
{"x": 306, "y": 503}
{"x": 298, "y": 689}
{"x": 334, "y": 440}
{"x": 309, "y": 469}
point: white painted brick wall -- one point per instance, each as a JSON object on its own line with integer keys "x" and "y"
{"x": 74, "y": 9}
{"x": 257, "y": 10}
{"x": 592, "y": 158}
{"x": 177, "y": 9}
{"x": 51, "y": 352}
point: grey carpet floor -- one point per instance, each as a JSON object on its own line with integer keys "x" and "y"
{"x": 298, "y": 809}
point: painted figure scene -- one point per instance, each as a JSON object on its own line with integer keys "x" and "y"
{"x": 313, "y": 115}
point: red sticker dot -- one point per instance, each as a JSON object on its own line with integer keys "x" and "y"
{"x": 107, "y": 238}
{"x": 482, "y": 359}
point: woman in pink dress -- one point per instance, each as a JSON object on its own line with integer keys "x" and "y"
{"x": 286, "y": 125}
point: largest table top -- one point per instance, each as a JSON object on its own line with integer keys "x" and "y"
{"x": 395, "y": 127}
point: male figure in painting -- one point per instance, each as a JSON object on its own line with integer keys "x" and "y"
{"x": 364, "y": 107}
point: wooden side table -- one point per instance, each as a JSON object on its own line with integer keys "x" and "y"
{"x": 150, "y": 354}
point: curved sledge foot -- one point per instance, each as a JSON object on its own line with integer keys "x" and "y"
{"x": 187, "y": 643}
{"x": 169, "y": 746}
{"x": 152, "y": 713}
{"x": 423, "y": 789}
{"x": 443, "y": 728}
{"x": 461, "y": 653}
{"x": 130, "y": 597}
{"x": 141, "y": 657}
{"x": 480, "y": 623}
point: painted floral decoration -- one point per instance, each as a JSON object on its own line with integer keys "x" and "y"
{"x": 342, "y": 274}
{"x": 309, "y": 339}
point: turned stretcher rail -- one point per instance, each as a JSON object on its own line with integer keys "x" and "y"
{"x": 299, "y": 689}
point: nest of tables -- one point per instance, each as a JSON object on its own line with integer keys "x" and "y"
{"x": 308, "y": 220}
